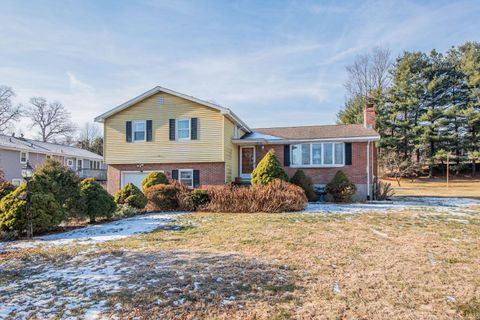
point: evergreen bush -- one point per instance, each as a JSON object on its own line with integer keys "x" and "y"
{"x": 162, "y": 197}
{"x": 46, "y": 212}
{"x": 97, "y": 201}
{"x": 5, "y": 186}
{"x": 305, "y": 182}
{"x": 60, "y": 181}
{"x": 132, "y": 196}
{"x": 341, "y": 188}
{"x": 154, "y": 178}
{"x": 268, "y": 169}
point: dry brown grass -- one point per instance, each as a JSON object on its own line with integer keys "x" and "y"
{"x": 373, "y": 266}
{"x": 437, "y": 187}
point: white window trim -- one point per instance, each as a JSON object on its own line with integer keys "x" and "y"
{"x": 145, "y": 131}
{"x": 332, "y": 165}
{"x": 17, "y": 182}
{"x": 180, "y": 176}
{"x": 189, "y": 129}
{"x": 70, "y": 161}
{"x": 80, "y": 161}
{"x": 27, "y": 157}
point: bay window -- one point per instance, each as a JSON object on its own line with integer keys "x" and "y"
{"x": 317, "y": 154}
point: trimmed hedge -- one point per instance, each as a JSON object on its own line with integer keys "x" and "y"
{"x": 132, "y": 196}
{"x": 277, "y": 196}
{"x": 162, "y": 197}
{"x": 305, "y": 182}
{"x": 154, "y": 178}
{"x": 341, "y": 188}
{"x": 268, "y": 169}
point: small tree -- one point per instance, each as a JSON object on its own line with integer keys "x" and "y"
{"x": 98, "y": 202}
{"x": 46, "y": 211}
{"x": 154, "y": 178}
{"x": 52, "y": 177}
{"x": 132, "y": 196}
{"x": 305, "y": 182}
{"x": 341, "y": 188}
{"x": 268, "y": 169}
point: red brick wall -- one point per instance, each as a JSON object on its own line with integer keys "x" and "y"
{"x": 357, "y": 172}
{"x": 211, "y": 173}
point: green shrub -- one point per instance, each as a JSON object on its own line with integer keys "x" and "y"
{"x": 199, "y": 197}
{"x": 97, "y": 201}
{"x": 162, "y": 197}
{"x": 132, "y": 196}
{"x": 125, "y": 211}
{"x": 46, "y": 211}
{"x": 268, "y": 169}
{"x": 341, "y": 188}
{"x": 305, "y": 182}
{"x": 277, "y": 196}
{"x": 54, "y": 178}
{"x": 5, "y": 188}
{"x": 154, "y": 178}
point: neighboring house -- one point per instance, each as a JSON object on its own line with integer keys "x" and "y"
{"x": 201, "y": 143}
{"x": 16, "y": 151}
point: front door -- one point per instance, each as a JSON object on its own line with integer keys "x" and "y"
{"x": 247, "y": 161}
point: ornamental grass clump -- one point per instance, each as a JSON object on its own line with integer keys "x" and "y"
{"x": 277, "y": 196}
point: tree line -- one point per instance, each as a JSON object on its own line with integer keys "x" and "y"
{"x": 51, "y": 121}
{"x": 428, "y": 106}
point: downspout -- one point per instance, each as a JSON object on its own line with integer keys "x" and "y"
{"x": 368, "y": 170}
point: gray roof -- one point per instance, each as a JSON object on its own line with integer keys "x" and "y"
{"x": 29, "y": 145}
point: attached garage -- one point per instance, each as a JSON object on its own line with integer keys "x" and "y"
{"x": 135, "y": 177}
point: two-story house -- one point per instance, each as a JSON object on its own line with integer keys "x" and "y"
{"x": 201, "y": 143}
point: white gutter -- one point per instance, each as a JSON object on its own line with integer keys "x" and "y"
{"x": 290, "y": 141}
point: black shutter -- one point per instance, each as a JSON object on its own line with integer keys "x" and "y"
{"x": 196, "y": 178}
{"x": 172, "y": 130}
{"x": 194, "y": 128}
{"x": 149, "y": 130}
{"x": 129, "y": 131}
{"x": 348, "y": 153}
{"x": 175, "y": 174}
{"x": 286, "y": 155}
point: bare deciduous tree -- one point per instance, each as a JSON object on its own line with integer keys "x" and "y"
{"x": 89, "y": 133}
{"x": 52, "y": 119}
{"x": 8, "y": 112}
{"x": 369, "y": 72}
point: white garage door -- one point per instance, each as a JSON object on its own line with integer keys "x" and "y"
{"x": 134, "y": 177}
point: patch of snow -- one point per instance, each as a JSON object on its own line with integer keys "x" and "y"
{"x": 453, "y": 206}
{"x": 451, "y": 299}
{"x": 98, "y": 233}
{"x": 379, "y": 233}
{"x": 336, "y": 287}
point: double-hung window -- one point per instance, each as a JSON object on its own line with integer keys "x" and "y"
{"x": 23, "y": 157}
{"x": 139, "y": 130}
{"x": 186, "y": 177}
{"x": 317, "y": 154}
{"x": 183, "y": 129}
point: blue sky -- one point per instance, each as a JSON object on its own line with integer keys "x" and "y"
{"x": 273, "y": 63}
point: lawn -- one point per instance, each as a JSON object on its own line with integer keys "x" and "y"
{"x": 437, "y": 187}
{"x": 413, "y": 263}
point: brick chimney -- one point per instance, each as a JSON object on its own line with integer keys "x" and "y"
{"x": 369, "y": 116}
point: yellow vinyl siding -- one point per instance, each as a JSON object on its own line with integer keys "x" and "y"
{"x": 207, "y": 148}
{"x": 231, "y": 151}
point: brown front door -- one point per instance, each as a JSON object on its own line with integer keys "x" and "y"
{"x": 247, "y": 161}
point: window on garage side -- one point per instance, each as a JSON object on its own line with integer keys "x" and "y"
{"x": 186, "y": 177}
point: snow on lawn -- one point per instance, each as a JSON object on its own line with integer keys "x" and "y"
{"x": 98, "y": 233}
{"x": 453, "y": 206}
